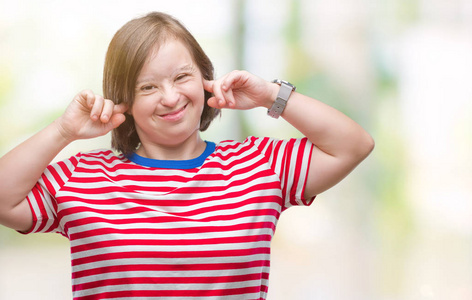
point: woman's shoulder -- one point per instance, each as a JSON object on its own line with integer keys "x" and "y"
{"x": 101, "y": 156}
{"x": 263, "y": 145}
{"x": 100, "y": 153}
{"x": 250, "y": 140}
{"x": 249, "y": 145}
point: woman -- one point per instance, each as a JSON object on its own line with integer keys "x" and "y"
{"x": 173, "y": 216}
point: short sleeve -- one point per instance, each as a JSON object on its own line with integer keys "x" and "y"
{"x": 290, "y": 160}
{"x": 42, "y": 198}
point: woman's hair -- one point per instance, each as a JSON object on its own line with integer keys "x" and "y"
{"x": 125, "y": 58}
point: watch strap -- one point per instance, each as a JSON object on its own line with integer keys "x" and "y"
{"x": 285, "y": 91}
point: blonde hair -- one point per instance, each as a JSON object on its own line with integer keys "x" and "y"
{"x": 125, "y": 58}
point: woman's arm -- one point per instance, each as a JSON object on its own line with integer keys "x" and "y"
{"x": 340, "y": 143}
{"x": 87, "y": 116}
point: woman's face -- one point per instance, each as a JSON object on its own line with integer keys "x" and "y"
{"x": 169, "y": 96}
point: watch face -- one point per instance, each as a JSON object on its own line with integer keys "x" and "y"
{"x": 280, "y": 81}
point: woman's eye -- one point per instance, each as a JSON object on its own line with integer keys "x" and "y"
{"x": 181, "y": 76}
{"x": 147, "y": 87}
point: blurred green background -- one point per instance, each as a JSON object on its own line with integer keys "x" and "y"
{"x": 398, "y": 228}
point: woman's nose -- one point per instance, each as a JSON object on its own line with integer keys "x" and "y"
{"x": 170, "y": 97}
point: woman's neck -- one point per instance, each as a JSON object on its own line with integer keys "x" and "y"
{"x": 189, "y": 149}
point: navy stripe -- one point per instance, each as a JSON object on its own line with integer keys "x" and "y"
{"x": 174, "y": 164}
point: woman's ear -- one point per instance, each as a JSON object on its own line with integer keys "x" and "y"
{"x": 129, "y": 111}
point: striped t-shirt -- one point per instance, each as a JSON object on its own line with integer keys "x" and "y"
{"x": 194, "y": 229}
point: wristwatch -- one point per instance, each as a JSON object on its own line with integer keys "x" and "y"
{"x": 286, "y": 88}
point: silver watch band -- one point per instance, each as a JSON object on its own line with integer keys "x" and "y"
{"x": 278, "y": 107}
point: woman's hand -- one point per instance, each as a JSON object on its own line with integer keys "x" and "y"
{"x": 88, "y": 116}
{"x": 241, "y": 90}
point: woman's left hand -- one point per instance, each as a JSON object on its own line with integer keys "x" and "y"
{"x": 240, "y": 90}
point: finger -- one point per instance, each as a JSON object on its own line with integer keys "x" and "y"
{"x": 107, "y": 111}
{"x": 120, "y": 108}
{"x": 85, "y": 98}
{"x": 88, "y": 96}
{"x": 208, "y": 85}
{"x": 219, "y": 96}
{"x": 225, "y": 102}
{"x": 230, "y": 101}
{"x": 212, "y": 86}
{"x": 97, "y": 108}
{"x": 212, "y": 102}
{"x": 228, "y": 86}
{"x": 116, "y": 120}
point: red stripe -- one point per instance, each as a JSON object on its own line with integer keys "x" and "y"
{"x": 234, "y": 166}
{"x": 163, "y": 242}
{"x": 191, "y": 190}
{"x": 297, "y": 169}
{"x": 173, "y": 231}
{"x": 57, "y": 178}
{"x": 275, "y": 155}
{"x": 204, "y": 198}
{"x": 42, "y": 217}
{"x": 48, "y": 185}
{"x": 65, "y": 168}
{"x": 175, "y": 293}
{"x": 166, "y": 267}
{"x": 170, "y": 254}
{"x": 229, "y": 146}
{"x": 259, "y": 201}
{"x": 263, "y": 142}
{"x": 286, "y": 168}
{"x": 164, "y": 219}
{"x": 172, "y": 280}
{"x": 306, "y": 201}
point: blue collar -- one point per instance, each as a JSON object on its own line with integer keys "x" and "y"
{"x": 174, "y": 164}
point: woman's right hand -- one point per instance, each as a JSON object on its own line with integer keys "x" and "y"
{"x": 90, "y": 115}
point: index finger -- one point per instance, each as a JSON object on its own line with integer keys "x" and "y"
{"x": 120, "y": 108}
{"x": 86, "y": 98}
{"x": 208, "y": 85}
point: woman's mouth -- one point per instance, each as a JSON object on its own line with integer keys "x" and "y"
{"x": 174, "y": 115}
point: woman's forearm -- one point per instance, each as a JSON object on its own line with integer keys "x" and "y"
{"x": 21, "y": 168}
